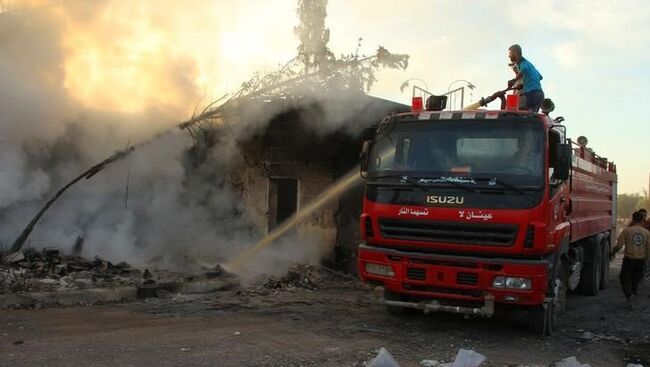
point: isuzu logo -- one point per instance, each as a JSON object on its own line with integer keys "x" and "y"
{"x": 438, "y": 199}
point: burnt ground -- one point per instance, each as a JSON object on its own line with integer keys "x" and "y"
{"x": 340, "y": 323}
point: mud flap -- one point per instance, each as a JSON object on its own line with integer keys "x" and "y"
{"x": 540, "y": 318}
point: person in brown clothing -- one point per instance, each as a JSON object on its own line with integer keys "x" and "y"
{"x": 636, "y": 240}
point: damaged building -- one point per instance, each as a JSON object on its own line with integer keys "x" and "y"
{"x": 294, "y": 157}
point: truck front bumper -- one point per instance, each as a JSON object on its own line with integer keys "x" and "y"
{"x": 453, "y": 280}
{"x": 435, "y": 306}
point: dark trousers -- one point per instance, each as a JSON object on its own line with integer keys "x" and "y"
{"x": 631, "y": 274}
{"x": 531, "y": 101}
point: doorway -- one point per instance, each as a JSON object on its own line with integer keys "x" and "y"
{"x": 283, "y": 200}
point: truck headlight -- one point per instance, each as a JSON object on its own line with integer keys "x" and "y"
{"x": 377, "y": 269}
{"x": 518, "y": 283}
{"x": 511, "y": 283}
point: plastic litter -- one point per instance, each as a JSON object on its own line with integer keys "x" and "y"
{"x": 433, "y": 363}
{"x": 382, "y": 359}
{"x": 468, "y": 358}
{"x": 570, "y": 362}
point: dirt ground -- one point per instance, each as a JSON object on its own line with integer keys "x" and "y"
{"x": 340, "y": 323}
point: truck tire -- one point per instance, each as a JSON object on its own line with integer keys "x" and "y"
{"x": 604, "y": 279}
{"x": 543, "y": 319}
{"x": 592, "y": 271}
{"x": 396, "y": 310}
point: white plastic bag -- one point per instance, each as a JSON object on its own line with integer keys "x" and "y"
{"x": 570, "y": 362}
{"x": 383, "y": 359}
{"x": 468, "y": 358}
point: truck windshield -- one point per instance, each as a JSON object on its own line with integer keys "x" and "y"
{"x": 462, "y": 151}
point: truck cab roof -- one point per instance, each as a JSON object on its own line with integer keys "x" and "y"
{"x": 467, "y": 115}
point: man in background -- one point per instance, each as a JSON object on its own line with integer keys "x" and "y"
{"x": 531, "y": 95}
{"x": 636, "y": 241}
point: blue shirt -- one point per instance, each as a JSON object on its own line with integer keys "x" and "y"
{"x": 531, "y": 77}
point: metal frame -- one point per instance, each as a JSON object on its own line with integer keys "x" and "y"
{"x": 451, "y": 95}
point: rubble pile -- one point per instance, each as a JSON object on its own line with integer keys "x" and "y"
{"x": 49, "y": 269}
{"x": 298, "y": 276}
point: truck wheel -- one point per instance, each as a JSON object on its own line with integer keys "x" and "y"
{"x": 396, "y": 310}
{"x": 542, "y": 319}
{"x": 604, "y": 279}
{"x": 592, "y": 271}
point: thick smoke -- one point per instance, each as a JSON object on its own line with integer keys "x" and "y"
{"x": 153, "y": 206}
{"x": 158, "y": 206}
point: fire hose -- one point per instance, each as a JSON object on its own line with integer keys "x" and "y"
{"x": 487, "y": 100}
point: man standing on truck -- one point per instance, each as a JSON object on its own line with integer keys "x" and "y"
{"x": 636, "y": 240}
{"x": 531, "y": 94}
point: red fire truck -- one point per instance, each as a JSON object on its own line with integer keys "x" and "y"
{"x": 467, "y": 211}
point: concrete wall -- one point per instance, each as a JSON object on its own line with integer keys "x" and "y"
{"x": 313, "y": 176}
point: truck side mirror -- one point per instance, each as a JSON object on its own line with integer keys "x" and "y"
{"x": 563, "y": 162}
{"x": 363, "y": 157}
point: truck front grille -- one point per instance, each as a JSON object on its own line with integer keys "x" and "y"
{"x": 449, "y": 232}
{"x": 467, "y": 278}
{"x": 416, "y": 273}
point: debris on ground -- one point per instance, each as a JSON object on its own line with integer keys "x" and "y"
{"x": 570, "y": 362}
{"x": 382, "y": 359}
{"x": 298, "y": 276}
{"x": 431, "y": 363}
{"x": 210, "y": 274}
{"x": 468, "y": 358}
{"x": 464, "y": 358}
{"x": 586, "y": 336}
{"x": 50, "y": 269}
